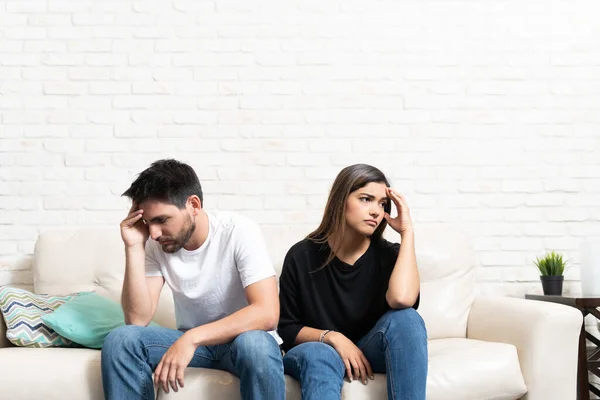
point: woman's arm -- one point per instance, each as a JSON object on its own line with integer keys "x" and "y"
{"x": 404, "y": 286}
{"x": 308, "y": 334}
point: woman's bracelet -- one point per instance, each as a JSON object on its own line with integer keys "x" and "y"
{"x": 322, "y": 337}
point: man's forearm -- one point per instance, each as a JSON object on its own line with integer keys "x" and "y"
{"x": 252, "y": 317}
{"x": 135, "y": 298}
{"x": 404, "y": 285}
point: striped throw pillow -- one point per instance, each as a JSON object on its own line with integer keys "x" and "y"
{"x": 22, "y": 312}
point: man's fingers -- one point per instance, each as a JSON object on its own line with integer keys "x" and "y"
{"x": 180, "y": 376}
{"x": 172, "y": 378}
{"x": 164, "y": 375}
{"x": 157, "y": 373}
{"x": 130, "y": 221}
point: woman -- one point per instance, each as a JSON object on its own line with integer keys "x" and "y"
{"x": 349, "y": 297}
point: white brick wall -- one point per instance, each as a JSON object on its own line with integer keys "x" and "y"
{"x": 485, "y": 114}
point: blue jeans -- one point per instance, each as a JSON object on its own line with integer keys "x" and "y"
{"x": 396, "y": 345}
{"x": 131, "y": 353}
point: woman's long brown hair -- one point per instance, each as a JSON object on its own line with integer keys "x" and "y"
{"x": 333, "y": 224}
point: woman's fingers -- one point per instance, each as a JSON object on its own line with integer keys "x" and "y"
{"x": 367, "y": 366}
{"x": 363, "y": 370}
{"x": 398, "y": 199}
{"x": 355, "y": 368}
{"x": 348, "y": 369}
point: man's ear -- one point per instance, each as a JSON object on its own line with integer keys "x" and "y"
{"x": 195, "y": 204}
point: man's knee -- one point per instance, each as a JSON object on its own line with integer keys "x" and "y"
{"x": 123, "y": 337}
{"x": 253, "y": 346}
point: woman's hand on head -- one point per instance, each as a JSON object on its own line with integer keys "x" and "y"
{"x": 402, "y": 222}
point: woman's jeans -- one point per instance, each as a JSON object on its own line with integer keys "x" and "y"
{"x": 396, "y": 345}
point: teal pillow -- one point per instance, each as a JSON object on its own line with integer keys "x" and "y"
{"x": 87, "y": 319}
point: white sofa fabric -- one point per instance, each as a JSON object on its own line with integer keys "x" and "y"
{"x": 479, "y": 348}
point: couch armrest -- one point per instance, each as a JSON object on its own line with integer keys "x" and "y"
{"x": 546, "y": 336}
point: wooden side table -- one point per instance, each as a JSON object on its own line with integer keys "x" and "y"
{"x": 589, "y": 357}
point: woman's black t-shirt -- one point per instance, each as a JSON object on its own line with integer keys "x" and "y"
{"x": 341, "y": 297}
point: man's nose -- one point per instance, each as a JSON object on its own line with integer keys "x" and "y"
{"x": 155, "y": 231}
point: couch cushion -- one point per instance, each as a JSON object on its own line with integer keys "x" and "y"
{"x": 217, "y": 385}
{"x": 23, "y": 311}
{"x": 464, "y": 369}
{"x": 4, "y": 342}
{"x": 459, "y": 369}
{"x": 50, "y": 374}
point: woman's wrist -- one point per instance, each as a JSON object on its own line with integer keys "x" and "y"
{"x": 407, "y": 232}
{"x": 329, "y": 338}
{"x": 323, "y": 334}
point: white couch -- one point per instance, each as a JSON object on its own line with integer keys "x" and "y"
{"x": 479, "y": 347}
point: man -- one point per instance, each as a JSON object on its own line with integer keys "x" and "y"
{"x": 224, "y": 288}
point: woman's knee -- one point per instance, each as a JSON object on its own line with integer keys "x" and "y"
{"x": 406, "y": 324}
{"x": 314, "y": 355}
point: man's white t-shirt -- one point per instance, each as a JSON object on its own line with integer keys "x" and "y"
{"x": 208, "y": 283}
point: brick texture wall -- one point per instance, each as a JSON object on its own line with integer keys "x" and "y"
{"x": 486, "y": 115}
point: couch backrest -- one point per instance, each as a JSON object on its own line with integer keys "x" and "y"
{"x": 69, "y": 261}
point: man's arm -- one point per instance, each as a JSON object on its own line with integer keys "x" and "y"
{"x": 140, "y": 293}
{"x": 261, "y": 313}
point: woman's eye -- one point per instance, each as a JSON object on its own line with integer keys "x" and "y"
{"x": 364, "y": 198}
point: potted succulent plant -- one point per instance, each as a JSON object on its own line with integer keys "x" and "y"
{"x": 551, "y": 267}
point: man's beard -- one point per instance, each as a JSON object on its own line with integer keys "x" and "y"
{"x": 182, "y": 237}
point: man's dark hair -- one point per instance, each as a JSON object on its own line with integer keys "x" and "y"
{"x": 169, "y": 181}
